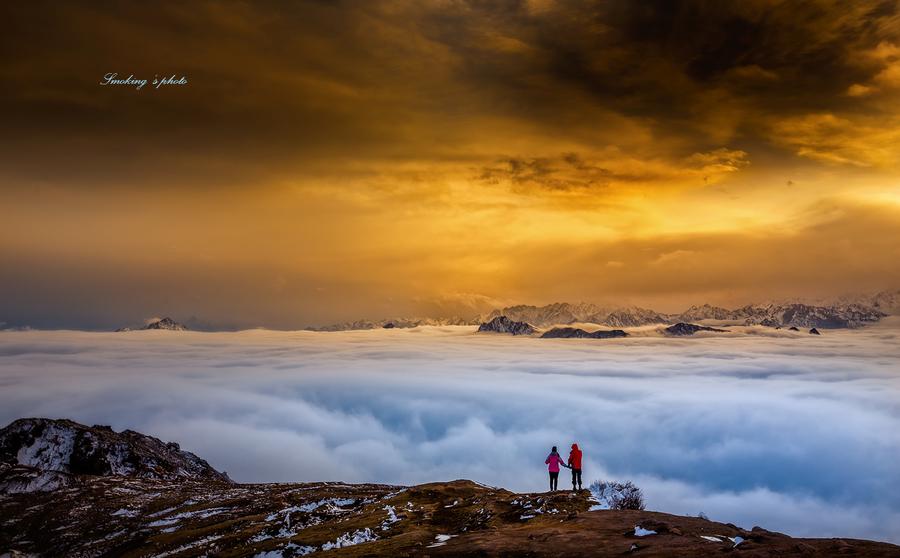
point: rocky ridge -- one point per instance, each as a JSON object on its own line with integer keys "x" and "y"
{"x": 126, "y": 514}
{"x": 578, "y": 333}
{"x": 502, "y": 324}
{"x": 167, "y": 324}
{"x": 682, "y": 329}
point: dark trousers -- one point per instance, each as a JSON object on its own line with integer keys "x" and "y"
{"x": 554, "y": 480}
{"x": 576, "y": 476}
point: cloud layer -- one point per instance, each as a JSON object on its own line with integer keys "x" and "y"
{"x": 788, "y": 431}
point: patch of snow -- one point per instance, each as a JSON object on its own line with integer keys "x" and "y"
{"x": 125, "y": 512}
{"x": 287, "y": 532}
{"x": 335, "y": 504}
{"x": 440, "y": 540}
{"x": 162, "y": 523}
{"x": 392, "y": 494}
{"x": 41, "y": 481}
{"x": 391, "y": 518}
{"x": 603, "y": 495}
{"x": 114, "y": 535}
{"x": 50, "y": 451}
{"x": 455, "y": 502}
{"x": 163, "y": 512}
{"x": 260, "y": 537}
{"x": 350, "y": 539}
{"x": 196, "y": 514}
{"x": 641, "y": 532}
{"x": 722, "y": 538}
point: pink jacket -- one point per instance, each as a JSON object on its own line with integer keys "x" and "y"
{"x": 554, "y": 460}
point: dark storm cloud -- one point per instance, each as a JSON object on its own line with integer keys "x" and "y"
{"x": 271, "y": 83}
{"x": 666, "y": 59}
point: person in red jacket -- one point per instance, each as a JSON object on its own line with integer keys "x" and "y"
{"x": 575, "y": 465}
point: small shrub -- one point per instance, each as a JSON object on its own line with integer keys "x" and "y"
{"x": 617, "y": 495}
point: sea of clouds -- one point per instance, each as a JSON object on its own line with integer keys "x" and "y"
{"x": 790, "y": 431}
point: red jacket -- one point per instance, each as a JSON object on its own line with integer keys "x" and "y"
{"x": 575, "y": 457}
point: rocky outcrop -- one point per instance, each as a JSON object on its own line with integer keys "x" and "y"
{"x": 167, "y": 324}
{"x": 576, "y": 333}
{"x": 814, "y": 331}
{"x": 38, "y": 453}
{"x": 682, "y": 329}
{"x": 502, "y": 324}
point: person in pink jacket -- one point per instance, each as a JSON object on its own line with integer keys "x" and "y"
{"x": 554, "y": 461}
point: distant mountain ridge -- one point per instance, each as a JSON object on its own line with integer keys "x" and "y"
{"x": 776, "y": 315}
{"x": 396, "y": 323}
{"x": 843, "y": 312}
{"x": 567, "y": 313}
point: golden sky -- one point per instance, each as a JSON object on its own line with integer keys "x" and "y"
{"x": 339, "y": 160}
